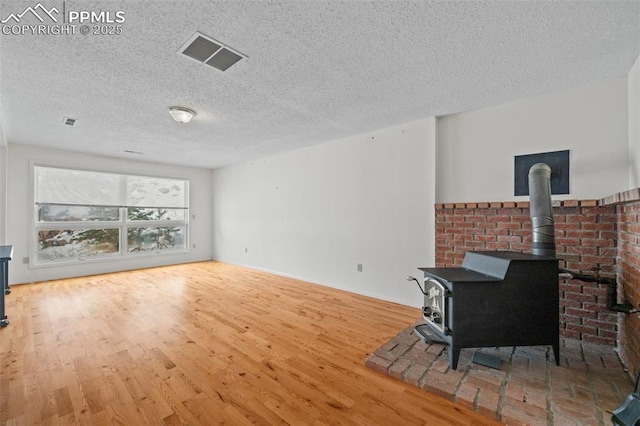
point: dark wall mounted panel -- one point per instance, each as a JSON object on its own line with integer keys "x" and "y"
{"x": 557, "y": 160}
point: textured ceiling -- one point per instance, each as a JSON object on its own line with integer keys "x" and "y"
{"x": 314, "y": 70}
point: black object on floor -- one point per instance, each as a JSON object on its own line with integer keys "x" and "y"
{"x": 486, "y": 360}
{"x": 628, "y": 414}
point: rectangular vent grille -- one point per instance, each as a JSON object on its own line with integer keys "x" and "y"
{"x": 208, "y": 51}
{"x": 68, "y": 121}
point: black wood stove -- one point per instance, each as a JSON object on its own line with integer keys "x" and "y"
{"x": 494, "y": 299}
{"x": 499, "y": 298}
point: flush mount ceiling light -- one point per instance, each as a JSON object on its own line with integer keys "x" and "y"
{"x": 181, "y": 114}
{"x": 206, "y": 50}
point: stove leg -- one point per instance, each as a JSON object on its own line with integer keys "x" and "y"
{"x": 556, "y": 352}
{"x": 454, "y": 354}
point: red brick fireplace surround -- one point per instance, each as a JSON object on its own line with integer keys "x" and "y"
{"x": 590, "y": 234}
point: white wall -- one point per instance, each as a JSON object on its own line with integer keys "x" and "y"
{"x": 20, "y": 201}
{"x": 475, "y": 151}
{"x": 317, "y": 212}
{"x": 3, "y": 187}
{"x": 634, "y": 125}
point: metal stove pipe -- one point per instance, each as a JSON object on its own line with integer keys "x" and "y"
{"x": 541, "y": 213}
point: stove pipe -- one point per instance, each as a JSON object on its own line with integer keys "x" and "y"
{"x": 543, "y": 243}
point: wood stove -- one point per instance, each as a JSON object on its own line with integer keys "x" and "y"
{"x": 499, "y": 298}
{"x": 496, "y": 298}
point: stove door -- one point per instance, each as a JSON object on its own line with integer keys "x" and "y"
{"x": 434, "y": 310}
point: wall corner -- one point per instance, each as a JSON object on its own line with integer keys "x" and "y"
{"x": 633, "y": 111}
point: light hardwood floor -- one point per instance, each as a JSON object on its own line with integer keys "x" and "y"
{"x": 204, "y": 343}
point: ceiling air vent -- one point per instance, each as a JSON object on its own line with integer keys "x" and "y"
{"x": 69, "y": 121}
{"x": 208, "y": 51}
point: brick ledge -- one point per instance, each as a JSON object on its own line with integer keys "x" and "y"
{"x": 629, "y": 196}
{"x": 515, "y": 204}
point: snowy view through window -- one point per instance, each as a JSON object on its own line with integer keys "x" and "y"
{"x": 76, "y": 217}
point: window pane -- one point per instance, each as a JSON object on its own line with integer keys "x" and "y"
{"x": 88, "y": 212}
{"x": 64, "y": 186}
{"x": 67, "y": 244}
{"x": 136, "y": 213}
{"x": 59, "y": 213}
{"x": 143, "y": 239}
{"x": 156, "y": 192}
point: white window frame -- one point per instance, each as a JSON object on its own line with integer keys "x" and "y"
{"x": 122, "y": 224}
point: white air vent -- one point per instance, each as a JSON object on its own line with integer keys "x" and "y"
{"x": 208, "y": 51}
{"x": 69, "y": 121}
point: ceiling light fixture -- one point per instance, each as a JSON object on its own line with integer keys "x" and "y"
{"x": 181, "y": 114}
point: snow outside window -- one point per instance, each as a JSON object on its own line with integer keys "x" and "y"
{"x": 83, "y": 215}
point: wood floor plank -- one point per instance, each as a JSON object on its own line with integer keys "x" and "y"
{"x": 204, "y": 343}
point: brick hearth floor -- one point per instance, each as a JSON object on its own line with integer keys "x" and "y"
{"x": 528, "y": 389}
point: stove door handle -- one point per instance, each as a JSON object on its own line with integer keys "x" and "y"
{"x": 410, "y": 278}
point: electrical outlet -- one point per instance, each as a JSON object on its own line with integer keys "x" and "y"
{"x": 359, "y": 267}
{"x": 246, "y": 249}
{"x": 193, "y": 245}
{"x": 25, "y": 260}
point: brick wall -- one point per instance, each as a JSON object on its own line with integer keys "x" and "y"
{"x": 586, "y": 236}
{"x": 629, "y": 281}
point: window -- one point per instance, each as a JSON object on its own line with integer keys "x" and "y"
{"x": 82, "y": 214}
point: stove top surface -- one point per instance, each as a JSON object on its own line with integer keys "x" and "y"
{"x": 458, "y": 275}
